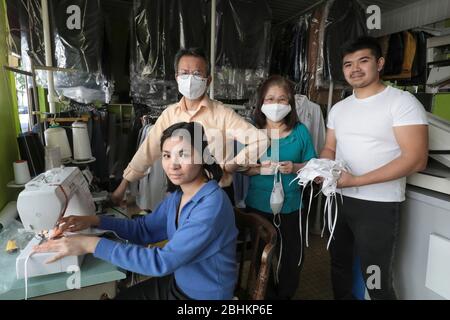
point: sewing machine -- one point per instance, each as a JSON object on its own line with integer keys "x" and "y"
{"x": 58, "y": 192}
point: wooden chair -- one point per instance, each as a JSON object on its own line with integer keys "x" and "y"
{"x": 254, "y": 232}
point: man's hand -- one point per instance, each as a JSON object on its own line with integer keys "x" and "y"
{"x": 117, "y": 197}
{"x": 347, "y": 180}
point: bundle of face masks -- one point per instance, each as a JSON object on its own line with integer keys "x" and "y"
{"x": 330, "y": 172}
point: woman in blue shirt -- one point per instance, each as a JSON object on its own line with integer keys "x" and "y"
{"x": 199, "y": 260}
{"x": 275, "y": 111}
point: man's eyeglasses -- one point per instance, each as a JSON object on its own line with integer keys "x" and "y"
{"x": 184, "y": 74}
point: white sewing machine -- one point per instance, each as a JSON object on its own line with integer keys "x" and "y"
{"x": 45, "y": 199}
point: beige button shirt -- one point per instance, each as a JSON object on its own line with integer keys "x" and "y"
{"x": 222, "y": 126}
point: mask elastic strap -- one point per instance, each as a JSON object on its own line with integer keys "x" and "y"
{"x": 277, "y": 223}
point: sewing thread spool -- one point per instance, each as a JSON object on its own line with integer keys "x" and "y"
{"x": 21, "y": 172}
{"x": 81, "y": 142}
{"x": 52, "y": 158}
{"x": 57, "y": 137}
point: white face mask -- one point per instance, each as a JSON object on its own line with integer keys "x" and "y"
{"x": 277, "y": 195}
{"x": 275, "y": 112}
{"x": 191, "y": 87}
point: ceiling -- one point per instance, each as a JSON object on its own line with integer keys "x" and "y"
{"x": 283, "y": 10}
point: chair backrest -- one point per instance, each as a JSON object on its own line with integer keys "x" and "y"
{"x": 256, "y": 235}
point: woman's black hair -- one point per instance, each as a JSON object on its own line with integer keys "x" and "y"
{"x": 194, "y": 131}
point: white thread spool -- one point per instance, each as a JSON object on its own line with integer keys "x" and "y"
{"x": 52, "y": 158}
{"x": 81, "y": 142}
{"x": 57, "y": 137}
{"x": 21, "y": 172}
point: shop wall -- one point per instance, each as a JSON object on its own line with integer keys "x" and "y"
{"x": 414, "y": 15}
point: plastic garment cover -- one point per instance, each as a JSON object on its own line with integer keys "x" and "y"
{"x": 319, "y": 80}
{"x": 290, "y": 52}
{"x": 159, "y": 29}
{"x": 31, "y": 31}
{"x": 78, "y": 38}
{"x": 345, "y": 23}
{"x": 243, "y": 47}
{"x": 281, "y": 48}
{"x": 313, "y": 49}
{"x": 299, "y": 54}
{"x": 78, "y": 28}
{"x": 76, "y": 31}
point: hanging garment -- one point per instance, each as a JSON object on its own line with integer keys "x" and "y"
{"x": 243, "y": 47}
{"x": 310, "y": 114}
{"x": 313, "y": 49}
{"x": 299, "y": 54}
{"x": 346, "y": 21}
{"x": 384, "y": 44}
{"x": 241, "y": 183}
{"x": 159, "y": 29}
{"x": 151, "y": 189}
{"x": 330, "y": 171}
{"x": 409, "y": 52}
{"x": 98, "y": 122}
{"x": 394, "y": 58}
{"x": 321, "y": 43}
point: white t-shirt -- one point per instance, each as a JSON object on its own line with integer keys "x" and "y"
{"x": 365, "y": 137}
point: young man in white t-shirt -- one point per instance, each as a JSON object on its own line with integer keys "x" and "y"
{"x": 382, "y": 134}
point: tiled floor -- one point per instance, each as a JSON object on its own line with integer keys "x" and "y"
{"x": 315, "y": 283}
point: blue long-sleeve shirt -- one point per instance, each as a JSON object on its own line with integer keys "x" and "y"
{"x": 201, "y": 252}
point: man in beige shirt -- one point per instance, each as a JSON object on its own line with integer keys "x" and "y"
{"x": 222, "y": 125}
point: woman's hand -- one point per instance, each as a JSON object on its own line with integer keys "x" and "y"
{"x": 286, "y": 167}
{"x": 68, "y": 246}
{"x": 77, "y": 223}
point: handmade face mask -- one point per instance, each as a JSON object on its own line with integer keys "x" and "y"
{"x": 191, "y": 87}
{"x": 275, "y": 111}
{"x": 277, "y": 196}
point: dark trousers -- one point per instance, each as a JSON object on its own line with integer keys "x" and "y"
{"x": 158, "y": 288}
{"x": 289, "y": 271}
{"x": 371, "y": 228}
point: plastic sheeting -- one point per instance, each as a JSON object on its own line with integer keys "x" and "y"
{"x": 78, "y": 44}
{"x": 290, "y": 52}
{"x": 243, "y": 47}
{"x": 159, "y": 29}
{"x": 31, "y": 32}
{"x": 76, "y": 30}
{"x": 345, "y": 22}
{"x": 299, "y": 54}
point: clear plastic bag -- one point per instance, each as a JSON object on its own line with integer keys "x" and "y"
{"x": 13, "y": 232}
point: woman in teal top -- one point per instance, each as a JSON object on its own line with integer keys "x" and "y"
{"x": 275, "y": 112}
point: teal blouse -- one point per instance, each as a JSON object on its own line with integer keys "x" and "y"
{"x": 296, "y": 147}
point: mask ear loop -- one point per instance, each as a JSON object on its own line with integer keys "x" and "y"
{"x": 277, "y": 223}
